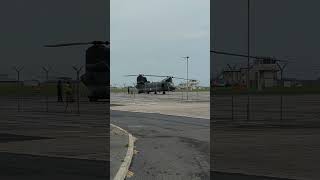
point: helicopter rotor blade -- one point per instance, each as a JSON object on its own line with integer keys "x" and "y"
{"x": 182, "y": 78}
{"x": 131, "y": 75}
{"x": 246, "y": 56}
{"x": 185, "y": 79}
{"x": 150, "y": 75}
{"x": 167, "y": 77}
{"x": 179, "y": 78}
{"x": 155, "y": 75}
{"x": 67, "y": 44}
{"x": 77, "y": 44}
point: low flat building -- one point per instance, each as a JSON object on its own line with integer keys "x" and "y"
{"x": 263, "y": 73}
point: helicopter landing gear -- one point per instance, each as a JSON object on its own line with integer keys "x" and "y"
{"x": 155, "y": 92}
{"x": 163, "y": 92}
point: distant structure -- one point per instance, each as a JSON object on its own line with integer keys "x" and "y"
{"x": 263, "y": 73}
{"x": 193, "y": 84}
{"x": 291, "y": 82}
{"x": 5, "y": 79}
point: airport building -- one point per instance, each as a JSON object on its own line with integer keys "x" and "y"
{"x": 263, "y": 73}
{"x": 193, "y": 84}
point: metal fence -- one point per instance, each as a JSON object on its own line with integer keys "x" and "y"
{"x": 43, "y": 98}
{"x": 288, "y": 109}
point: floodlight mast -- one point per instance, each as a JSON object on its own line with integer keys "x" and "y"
{"x": 18, "y": 70}
{"x": 187, "y": 59}
{"x": 248, "y": 65}
{"x": 248, "y": 62}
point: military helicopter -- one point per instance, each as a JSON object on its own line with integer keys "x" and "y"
{"x": 145, "y": 86}
{"x": 97, "y": 68}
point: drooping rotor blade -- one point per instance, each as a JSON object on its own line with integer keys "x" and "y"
{"x": 66, "y": 44}
{"x": 77, "y": 44}
{"x": 185, "y": 79}
{"x": 131, "y": 75}
{"x": 167, "y": 77}
{"x": 150, "y": 75}
{"x": 246, "y": 56}
{"x": 179, "y": 78}
{"x": 155, "y": 75}
{"x": 100, "y": 42}
{"x": 163, "y": 76}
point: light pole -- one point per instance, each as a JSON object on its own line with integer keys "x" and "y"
{"x": 248, "y": 62}
{"x": 18, "y": 70}
{"x": 281, "y": 72}
{"x": 78, "y": 70}
{"x": 248, "y": 65}
{"x": 187, "y": 59}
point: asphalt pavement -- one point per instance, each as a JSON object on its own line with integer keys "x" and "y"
{"x": 51, "y": 145}
{"x": 119, "y": 141}
{"x": 236, "y": 176}
{"x": 25, "y": 166}
{"x": 169, "y": 147}
{"x": 172, "y": 147}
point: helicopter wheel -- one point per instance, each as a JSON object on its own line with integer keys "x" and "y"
{"x": 163, "y": 92}
{"x": 155, "y": 92}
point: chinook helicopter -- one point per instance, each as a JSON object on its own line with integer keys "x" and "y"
{"x": 97, "y": 68}
{"x": 145, "y": 86}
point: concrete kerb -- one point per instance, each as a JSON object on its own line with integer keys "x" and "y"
{"x": 124, "y": 167}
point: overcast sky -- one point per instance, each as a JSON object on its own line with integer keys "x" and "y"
{"x": 151, "y": 36}
{"x": 26, "y": 25}
{"x": 147, "y": 36}
{"x": 286, "y": 29}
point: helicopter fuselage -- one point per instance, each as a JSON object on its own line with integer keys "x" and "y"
{"x": 155, "y": 87}
{"x": 97, "y": 74}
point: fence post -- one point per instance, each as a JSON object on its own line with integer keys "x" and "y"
{"x": 248, "y": 108}
{"x": 18, "y": 70}
{"x": 232, "y": 107}
{"x": 46, "y": 70}
{"x": 78, "y": 70}
{"x": 281, "y": 106}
